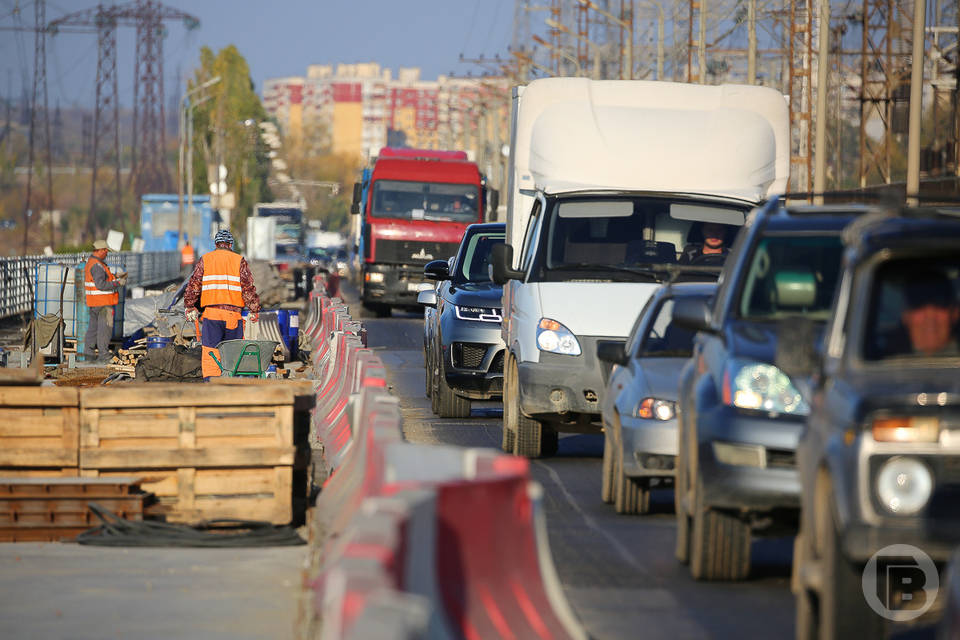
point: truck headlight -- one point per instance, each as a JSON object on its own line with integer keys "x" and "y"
{"x": 479, "y": 314}
{"x": 904, "y": 485}
{"x": 653, "y": 409}
{"x": 373, "y": 276}
{"x": 763, "y": 387}
{"x": 556, "y": 338}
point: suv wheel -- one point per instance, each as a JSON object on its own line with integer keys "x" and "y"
{"x": 843, "y": 611}
{"x": 428, "y": 370}
{"x": 720, "y": 543}
{"x": 509, "y": 426}
{"x": 450, "y": 405}
{"x": 534, "y": 439}
{"x": 606, "y": 482}
{"x": 807, "y": 616}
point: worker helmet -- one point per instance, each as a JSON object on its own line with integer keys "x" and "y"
{"x": 223, "y": 236}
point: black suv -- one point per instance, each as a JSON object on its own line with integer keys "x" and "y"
{"x": 739, "y": 416}
{"x": 879, "y": 461}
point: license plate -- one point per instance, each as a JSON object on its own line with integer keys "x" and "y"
{"x": 414, "y": 286}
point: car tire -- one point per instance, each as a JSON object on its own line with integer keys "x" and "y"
{"x": 606, "y": 482}
{"x": 843, "y": 611}
{"x": 428, "y": 372}
{"x": 806, "y": 618}
{"x": 631, "y": 496}
{"x": 434, "y": 383}
{"x": 720, "y": 543}
{"x": 449, "y": 404}
{"x": 509, "y": 428}
{"x": 680, "y": 489}
{"x": 534, "y": 439}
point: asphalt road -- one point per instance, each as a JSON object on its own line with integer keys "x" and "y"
{"x": 619, "y": 572}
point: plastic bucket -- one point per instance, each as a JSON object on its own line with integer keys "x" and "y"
{"x": 157, "y": 342}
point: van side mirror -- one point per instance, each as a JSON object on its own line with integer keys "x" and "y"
{"x": 437, "y": 270}
{"x": 357, "y": 194}
{"x": 612, "y": 351}
{"x": 501, "y": 264}
{"x": 692, "y": 314}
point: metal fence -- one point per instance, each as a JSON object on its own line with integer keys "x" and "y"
{"x": 17, "y": 275}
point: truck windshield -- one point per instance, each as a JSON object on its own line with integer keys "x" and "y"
{"x": 914, "y": 309}
{"x": 425, "y": 201}
{"x": 628, "y": 237}
{"x": 790, "y": 275}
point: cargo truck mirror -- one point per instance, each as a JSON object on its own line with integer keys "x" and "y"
{"x": 612, "y": 351}
{"x": 427, "y": 298}
{"x": 692, "y": 314}
{"x": 493, "y": 198}
{"x": 501, "y": 264}
{"x": 357, "y": 194}
{"x": 437, "y": 270}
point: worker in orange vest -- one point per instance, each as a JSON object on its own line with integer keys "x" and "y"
{"x": 222, "y": 284}
{"x": 186, "y": 256}
{"x": 101, "y": 293}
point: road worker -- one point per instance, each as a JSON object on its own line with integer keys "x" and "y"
{"x": 222, "y": 284}
{"x": 101, "y": 292}
{"x": 187, "y": 256}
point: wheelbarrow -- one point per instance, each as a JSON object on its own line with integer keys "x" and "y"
{"x": 244, "y": 358}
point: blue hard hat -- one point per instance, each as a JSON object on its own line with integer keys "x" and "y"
{"x": 223, "y": 236}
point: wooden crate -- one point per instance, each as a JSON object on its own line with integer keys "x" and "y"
{"x": 54, "y": 509}
{"x": 39, "y": 431}
{"x": 207, "y": 451}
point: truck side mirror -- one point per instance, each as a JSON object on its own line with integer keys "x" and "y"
{"x": 437, "y": 270}
{"x": 692, "y": 313}
{"x": 501, "y": 264}
{"x": 493, "y": 199}
{"x": 357, "y": 194}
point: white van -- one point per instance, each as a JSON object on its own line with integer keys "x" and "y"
{"x": 610, "y": 185}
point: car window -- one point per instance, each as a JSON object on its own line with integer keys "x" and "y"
{"x": 476, "y": 257}
{"x": 634, "y": 338}
{"x": 791, "y": 274}
{"x": 664, "y": 339}
{"x": 914, "y": 309}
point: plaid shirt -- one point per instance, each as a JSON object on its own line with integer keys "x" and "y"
{"x": 249, "y": 292}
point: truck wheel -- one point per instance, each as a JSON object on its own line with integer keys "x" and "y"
{"x": 450, "y": 404}
{"x": 720, "y": 543}
{"x": 509, "y": 428}
{"x": 631, "y": 496}
{"x": 606, "y": 482}
{"x": 843, "y": 610}
{"x": 534, "y": 439}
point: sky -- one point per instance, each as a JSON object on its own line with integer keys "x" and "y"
{"x": 277, "y": 37}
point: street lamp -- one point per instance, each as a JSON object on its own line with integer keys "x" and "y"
{"x": 183, "y": 124}
{"x": 626, "y": 71}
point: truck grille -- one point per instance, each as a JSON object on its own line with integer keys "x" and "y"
{"x": 467, "y": 355}
{"x": 413, "y": 251}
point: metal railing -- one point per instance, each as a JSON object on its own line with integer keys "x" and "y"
{"x": 17, "y": 275}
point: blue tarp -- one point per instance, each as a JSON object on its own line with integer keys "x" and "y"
{"x": 158, "y": 222}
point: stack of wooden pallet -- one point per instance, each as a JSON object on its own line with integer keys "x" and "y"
{"x": 126, "y": 359}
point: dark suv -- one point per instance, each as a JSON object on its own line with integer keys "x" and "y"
{"x": 879, "y": 461}
{"x": 739, "y": 417}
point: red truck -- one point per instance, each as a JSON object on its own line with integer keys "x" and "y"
{"x": 414, "y": 205}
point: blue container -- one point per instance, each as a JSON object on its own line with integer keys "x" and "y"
{"x": 158, "y": 342}
{"x": 293, "y": 334}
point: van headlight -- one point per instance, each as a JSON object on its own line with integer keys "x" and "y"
{"x": 762, "y": 387}
{"x": 556, "y": 338}
{"x": 904, "y": 485}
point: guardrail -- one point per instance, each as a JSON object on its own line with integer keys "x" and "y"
{"x": 17, "y": 275}
{"x": 410, "y": 540}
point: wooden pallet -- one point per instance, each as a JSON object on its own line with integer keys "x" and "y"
{"x": 207, "y": 451}
{"x": 39, "y": 431}
{"x": 56, "y": 509}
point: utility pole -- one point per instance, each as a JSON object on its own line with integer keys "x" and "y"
{"x": 702, "y": 42}
{"x": 916, "y": 99}
{"x": 39, "y": 105}
{"x": 188, "y": 162}
{"x": 751, "y": 41}
{"x": 820, "y": 118}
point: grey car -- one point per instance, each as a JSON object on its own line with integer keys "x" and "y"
{"x": 638, "y": 406}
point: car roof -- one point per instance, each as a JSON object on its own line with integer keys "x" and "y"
{"x": 805, "y": 217}
{"x": 487, "y": 227}
{"x": 904, "y": 229}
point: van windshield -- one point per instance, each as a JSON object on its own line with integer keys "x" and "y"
{"x": 424, "y": 201}
{"x": 634, "y": 235}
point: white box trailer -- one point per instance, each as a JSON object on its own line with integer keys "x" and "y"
{"x": 609, "y": 184}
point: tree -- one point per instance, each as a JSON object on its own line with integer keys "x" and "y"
{"x": 226, "y": 130}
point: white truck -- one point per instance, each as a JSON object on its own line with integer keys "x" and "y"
{"x": 609, "y": 183}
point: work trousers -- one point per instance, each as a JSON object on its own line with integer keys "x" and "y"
{"x": 99, "y": 332}
{"x": 213, "y": 332}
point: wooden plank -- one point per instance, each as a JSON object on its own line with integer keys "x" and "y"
{"x": 31, "y": 422}
{"x": 71, "y": 429}
{"x": 282, "y": 495}
{"x": 161, "y": 483}
{"x": 185, "y": 488}
{"x": 27, "y": 442}
{"x": 144, "y": 444}
{"x": 21, "y": 472}
{"x": 188, "y": 428}
{"x": 43, "y": 457}
{"x": 179, "y": 395}
{"x": 137, "y": 427}
{"x": 237, "y": 427}
{"x": 226, "y": 482}
{"x": 237, "y": 442}
{"x": 266, "y": 509}
{"x": 38, "y": 397}
{"x": 89, "y": 428}
{"x": 177, "y": 458}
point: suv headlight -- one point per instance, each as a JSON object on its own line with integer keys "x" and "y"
{"x": 556, "y": 338}
{"x": 479, "y": 314}
{"x": 653, "y": 409}
{"x": 904, "y": 485}
{"x": 762, "y": 387}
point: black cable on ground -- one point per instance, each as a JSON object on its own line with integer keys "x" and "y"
{"x": 118, "y": 532}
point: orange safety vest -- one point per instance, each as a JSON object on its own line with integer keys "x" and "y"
{"x": 95, "y": 297}
{"x": 221, "y": 279}
{"x": 186, "y": 255}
